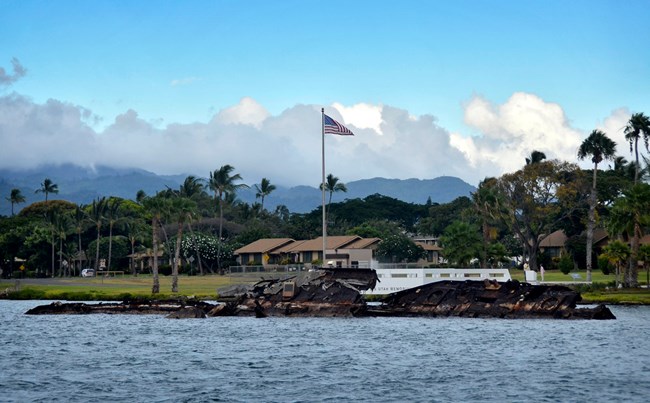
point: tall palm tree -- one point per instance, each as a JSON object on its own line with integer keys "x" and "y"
{"x": 485, "y": 199}
{"x": 535, "y": 157}
{"x": 191, "y": 187}
{"x": 333, "y": 185}
{"x": 113, "y": 216}
{"x": 182, "y": 210}
{"x": 599, "y": 147}
{"x": 96, "y": 215}
{"x": 222, "y": 183}
{"x": 617, "y": 252}
{"x": 135, "y": 230}
{"x": 158, "y": 208}
{"x": 51, "y": 218}
{"x": 264, "y": 189}
{"x": 16, "y": 197}
{"x": 78, "y": 221}
{"x": 48, "y": 187}
{"x": 638, "y": 127}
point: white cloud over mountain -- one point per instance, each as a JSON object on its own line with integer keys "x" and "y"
{"x": 286, "y": 148}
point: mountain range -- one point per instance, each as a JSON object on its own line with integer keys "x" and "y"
{"x": 82, "y": 185}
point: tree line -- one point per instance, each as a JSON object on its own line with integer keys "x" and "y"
{"x": 203, "y": 222}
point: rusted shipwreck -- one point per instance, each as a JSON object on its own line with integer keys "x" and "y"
{"x": 337, "y": 293}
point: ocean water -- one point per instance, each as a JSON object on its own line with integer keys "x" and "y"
{"x": 117, "y": 358}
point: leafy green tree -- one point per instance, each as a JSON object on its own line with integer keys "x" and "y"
{"x": 484, "y": 201}
{"x": 638, "y": 127}
{"x": 264, "y": 189}
{"x": 535, "y": 199}
{"x": 599, "y": 147}
{"x": 399, "y": 248}
{"x": 461, "y": 243}
{"x": 440, "y": 216}
{"x": 16, "y": 197}
{"x": 48, "y": 187}
{"x": 209, "y": 247}
{"x": 376, "y": 229}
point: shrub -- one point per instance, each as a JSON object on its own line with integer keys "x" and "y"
{"x": 604, "y": 265}
{"x": 565, "y": 264}
{"x": 165, "y": 270}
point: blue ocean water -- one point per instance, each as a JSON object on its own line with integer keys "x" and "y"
{"x": 116, "y": 358}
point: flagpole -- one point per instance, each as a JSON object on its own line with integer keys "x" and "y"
{"x": 322, "y": 111}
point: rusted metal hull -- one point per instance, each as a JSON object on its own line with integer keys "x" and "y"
{"x": 488, "y": 299}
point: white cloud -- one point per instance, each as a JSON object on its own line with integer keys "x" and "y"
{"x": 286, "y": 148}
{"x": 363, "y": 116}
{"x": 512, "y": 130}
{"x": 613, "y": 125}
{"x": 246, "y": 112}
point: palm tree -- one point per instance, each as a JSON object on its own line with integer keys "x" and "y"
{"x": 135, "y": 232}
{"x": 96, "y": 215}
{"x": 113, "y": 216}
{"x": 16, "y": 197}
{"x": 78, "y": 219}
{"x": 599, "y": 147}
{"x": 484, "y": 199}
{"x": 535, "y": 157}
{"x": 157, "y": 207}
{"x": 617, "y": 252}
{"x": 191, "y": 187}
{"x": 264, "y": 189}
{"x": 181, "y": 210}
{"x": 48, "y": 187}
{"x": 222, "y": 183}
{"x": 627, "y": 216}
{"x": 637, "y": 127}
{"x": 332, "y": 185}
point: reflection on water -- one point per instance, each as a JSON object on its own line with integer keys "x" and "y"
{"x": 149, "y": 358}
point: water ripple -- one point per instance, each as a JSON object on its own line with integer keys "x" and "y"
{"x": 105, "y": 358}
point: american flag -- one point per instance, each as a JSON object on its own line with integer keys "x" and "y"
{"x": 331, "y": 126}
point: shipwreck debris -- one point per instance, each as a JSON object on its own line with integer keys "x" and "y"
{"x": 337, "y": 293}
{"x": 488, "y": 299}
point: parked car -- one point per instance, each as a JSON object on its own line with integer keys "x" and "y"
{"x": 88, "y": 273}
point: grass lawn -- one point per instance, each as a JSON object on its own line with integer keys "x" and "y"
{"x": 120, "y": 287}
{"x": 205, "y": 287}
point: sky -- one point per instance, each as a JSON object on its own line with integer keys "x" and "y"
{"x": 429, "y": 88}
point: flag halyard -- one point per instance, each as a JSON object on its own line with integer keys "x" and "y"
{"x": 331, "y": 126}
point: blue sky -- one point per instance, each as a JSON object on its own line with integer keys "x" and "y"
{"x": 478, "y": 81}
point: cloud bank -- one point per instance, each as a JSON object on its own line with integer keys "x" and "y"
{"x": 286, "y": 148}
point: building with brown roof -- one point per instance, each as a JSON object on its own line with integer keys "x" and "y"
{"x": 341, "y": 251}
{"x": 264, "y": 252}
